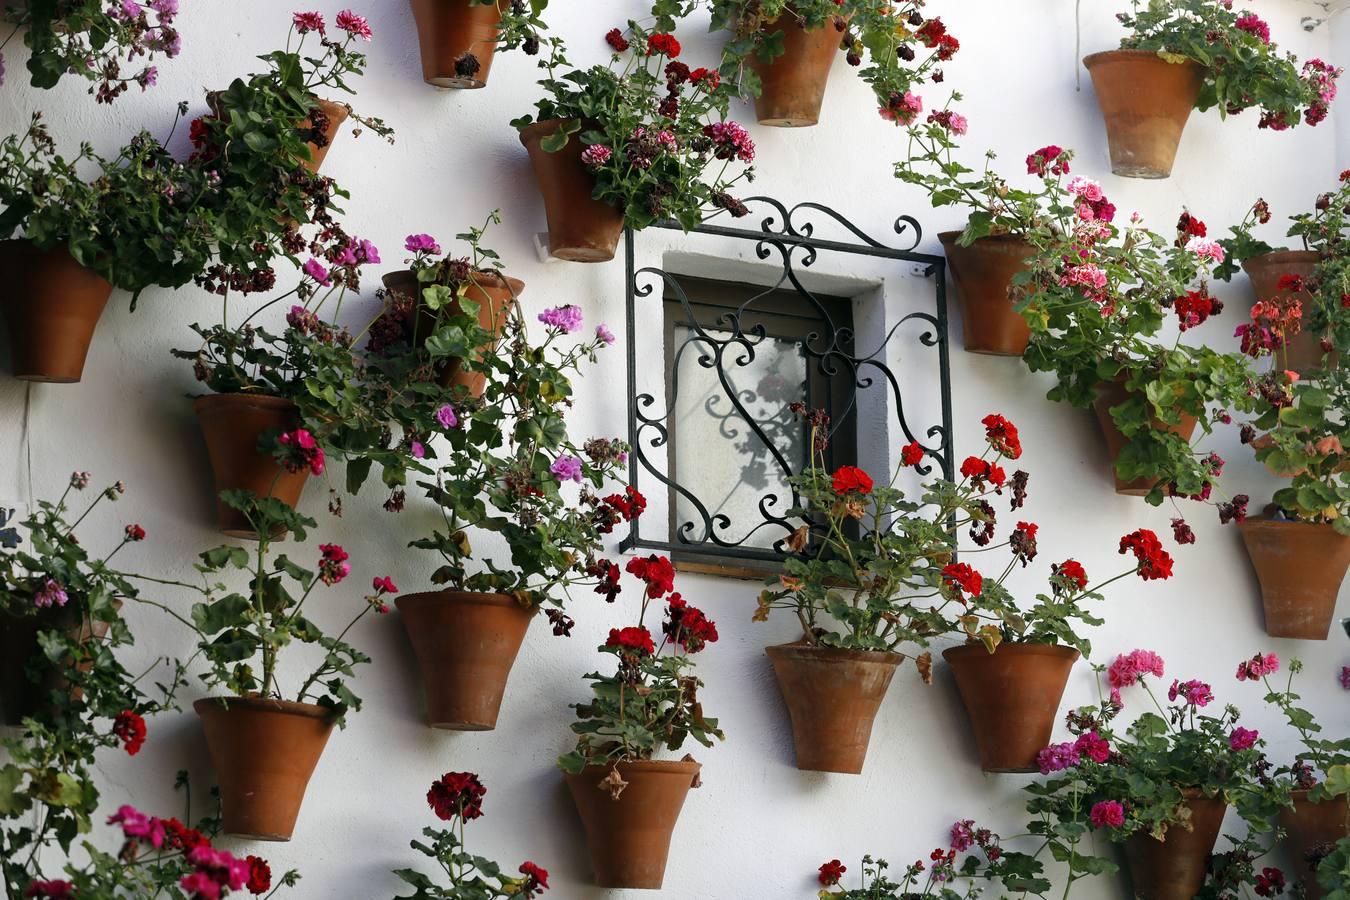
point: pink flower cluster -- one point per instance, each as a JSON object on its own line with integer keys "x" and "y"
{"x": 51, "y": 594}
{"x": 1196, "y": 693}
{"x": 333, "y": 565}
{"x": 1057, "y": 757}
{"x": 299, "y": 451}
{"x": 566, "y": 319}
{"x": 217, "y": 871}
{"x": 1129, "y": 668}
{"x": 1253, "y": 24}
{"x": 730, "y": 140}
{"x": 1204, "y": 248}
{"x": 1322, "y": 77}
{"x": 1258, "y": 667}
{"x": 1243, "y": 738}
{"x": 1107, "y": 814}
{"x": 902, "y": 108}
{"x": 596, "y": 155}
{"x": 422, "y": 243}
{"x": 1092, "y": 205}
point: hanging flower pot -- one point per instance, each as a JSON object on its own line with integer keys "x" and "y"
{"x": 264, "y": 752}
{"x": 1310, "y": 825}
{"x": 232, "y": 424}
{"x": 832, "y": 696}
{"x": 1303, "y": 353}
{"x": 20, "y": 696}
{"x": 1174, "y": 869}
{"x": 494, "y": 293}
{"x": 1300, "y": 566}
{"x": 1113, "y": 393}
{"x": 793, "y": 84}
{"x": 465, "y": 645}
{"x": 458, "y": 41}
{"x": 580, "y": 228}
{"x": 629, "y": 819}
{"x": 1145, "y": 101}
{"x": 51, "y": 308}
{"x": 1012, "y": 697}
{"x": 334, "y": 114}
{"x": 983, "y": 273}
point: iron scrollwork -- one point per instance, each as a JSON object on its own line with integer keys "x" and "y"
{"x": 789, "y": 237}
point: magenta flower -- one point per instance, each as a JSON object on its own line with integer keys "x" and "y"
{"x": 1252, "y": 24}
{"x": 1258, "y": 666}
{"x": 1243, "y": 738}
{"x": 446, "y": 416}
{"x": 52, "y": 594}
{"x": 567, "y": 468}
{"x": 604, "y": 334}
{"x": 384, "y": 585}
{"x": 1056, "y": 758}
{"x": 316, "y": 270}
{"x": 963, "y": 835}
{"x": 306, "y": 22}
{"x": 1345, "y": 677}
{"x": 1196, "y": 693}
{"x": 1107, "y": 814}
{"x": 1093, "y": 746}
{"x": 730, "y": 141}
{"x": 355, "y": 25}
{"x": 137, "y": 825}
{"x": 299, "y": 451}
{"x": 566, "y": 319}
{"x": 596, "y": 155}
{"x": 422, "y": 243}
{"x": 333, "y": 565}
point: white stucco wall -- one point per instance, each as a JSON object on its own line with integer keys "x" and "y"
{"x": 758, "y": 828}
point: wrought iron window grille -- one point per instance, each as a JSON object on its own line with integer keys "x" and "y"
{"x": 788, "y": 237}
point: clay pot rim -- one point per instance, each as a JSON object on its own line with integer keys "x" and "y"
{"x": 334, "y": 109}
{"x": 1278, "y": 256}
{"x": 1264, "y": 522}
{"x": 264, "y": 705}
{"x": 237, "y": 398}
{"x": 948, "y": 238}
{"x": 663, "y": 766}
{"x": 1015, "y": 647}
{"x": 1101, "y": 56}
{"x": 482, "y": 277}
{"x": 800, "y": 650}
{"x": 538, "y": 129}
{"x": 477, "y": 598}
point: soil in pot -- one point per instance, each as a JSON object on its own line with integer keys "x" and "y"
{"x": 494, "y": 294}
{"x": 1145, "y": 102}
{"x": 232, "y": 424}
{"x": 465, "y": 644}
{"x": 51, "y": 308}
{"x": 832, "y": 696}
{"x": 448, "y": 32}
{"x": 793, "y": 85}
{"x": 21, "y": 697}
{"x": 1113, "y": 393}
{"x": 1303, "y": 353}
{"x": 1174, "y": 869}
{"x": 1309, "y": 825}
{"x": 1012, "y": 697}
{"x": 1300, "y": 566}
{"x": 580, "y": 228}
{"x": 983, "y": 273}
{"x": 264, "y": 752}
{"x": 629, "y": 836}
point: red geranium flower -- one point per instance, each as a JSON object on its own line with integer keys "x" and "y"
{"x": 656, "y": 571}
{"x": 129, "y": 728}
{"x": 912, "y": 454}
{"x": 1154, "y": 561}
{"x": 1002, "y": 435}
{"x": 974, "y": 467}
{"x": 664, "y": 44}
{"x": 1290, "y": 282}
{"x": 135, "y": 533}
{"x": 1071, "y": 572}
{"x": 709, "y": 78}
{"x": 831, "y": 872}
{"x": 635, "y": 638}
{"x": 1189, "y": 226}
{"x": 259, "y": 875}
{"x": 457, "y": 795}
{"x": 688, "y": 626}
{"x": 851, "y": 479}
{"x": 616, "y": 40}
{"x": 536, "y": 878}
{"x": 962, "y": 577}
{"x": 1050, "y": 159}
{"x": 178, "y": 836}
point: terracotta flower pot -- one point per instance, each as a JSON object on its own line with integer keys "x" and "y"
{"x": 51, "y": 309}
{"x": 232, "y": 424}
{"x": 580, "y": 228}
{"x": 1012, "y": 697}
{"x": 449, "y": 29}
{"x": 336, "y": 113}
{"x": 1303, "y": 353}
{"x": 494, "y": 294}
{"x": 983, "y": 273}
{"x": 832, "y": 696}
{"x": 264, "y": 752}
{"x": 20, "y": 696}
{"x": 629, "y": 835}
{"x": 1300, "y": 567}
{"x": 793, "y": 85}
{"x": 1113, "y": 393}
{"x": 1174, "y": 869}
{"x": 465, "y": 644}
{"x": 1310, "y": 825}
{"x": 1145, "y": 101}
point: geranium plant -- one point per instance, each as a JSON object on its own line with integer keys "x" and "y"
{"x": 902, "y": 47}
{"x": 95, "y": 39}
{"x": 1096, "y": 298}
{"x": 655, "y": 133}
{"x": 1321, "y": 757}
{"x": 1243, "y": 68}
{"x": 651, "y": 701}
{"x": 457, "y": 798}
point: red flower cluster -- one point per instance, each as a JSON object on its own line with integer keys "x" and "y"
{"x": 664, "y": 44}
{"x": 980, "y": 471}
{"x": 933, "y": 34}
{"x": 297, "y": 450}
{"x": 129, "y": 728}
{"x": 1023, "y": 541}
{"x": 178, "y": 836}
{"x": 1070, "y": 573}
{"x": 536, "y": 879}
{"x": 607, "y": 574}
{"x": 333, "y": 565}
{"x": 656, "y": 571}
{"x": 1154, "y": 562}
{"x": 1270, "y": 883}
{"x": 1195, "y": 308}
{"x": 135, "y": 533}
{"x": 1188, "y": 226}
{"x": 457, "y": 795}
{"x": 688, "y": 626}
{"x": 851, "y": 479}
{"x": 619, "y": 507}
{"x": 708, "y": 78}
{"x": 831, "y": 872}
{"x": 1049, "y": 160}
{"x": 961, "y": 577}
{"x": 616, "y": 40}
{"x": 634, "y": 639}
{"x": 53, "y": 890}
{"x": 912, "y": 454}
{"x": 1290, "y": 282}
{"x": 259, "y": 875}
{"x": 1002, "y": 435}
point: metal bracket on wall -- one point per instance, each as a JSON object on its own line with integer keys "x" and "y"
{"x": 787, "y": 238}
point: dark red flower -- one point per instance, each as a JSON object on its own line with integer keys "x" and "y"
{"x": 1049, "y": 160}
{"x": 1189, "y": 226}
{"x": 961, "y": 577}
{"x": 1023, "y": 541}
{"x": 687, "y": 625}
{"x": 1002, "y": 435}
{"x": 608, "y": 575}
{"x": 1071, "y": 573}
{"x": 831, "y": 872}
{"x": 536, "y": 878}
{"x": 851, "y": 479}
{"x": 129, "y": 728}
{"x": 677, "y": 73}
{"x": 708, "y": 78}
{"x": 1289, "y": 282}
{"x": 616, "y": 40}
{"x": 178, "y": 836}
{"x": 912, "y": 454}
{"x": 664, "y": 44}
{"x": 259, "y": 875}
{"x": 53, "y": 890}
{"x": 1269, "y": 882}
{"x": 931, "y": 32}
{"x": 457, "y": 795}
{"x": 135, "y": 533}
{"x": 1154, "y": 562}
{"x": 1181, "y": 532}
{"x": 656, "y": 571}
{"x": 634, "y": 638}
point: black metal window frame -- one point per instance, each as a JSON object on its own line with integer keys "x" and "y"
{"x": 790, "y": 233}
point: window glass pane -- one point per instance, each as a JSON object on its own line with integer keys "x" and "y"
{"x": 719, "y": 457}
